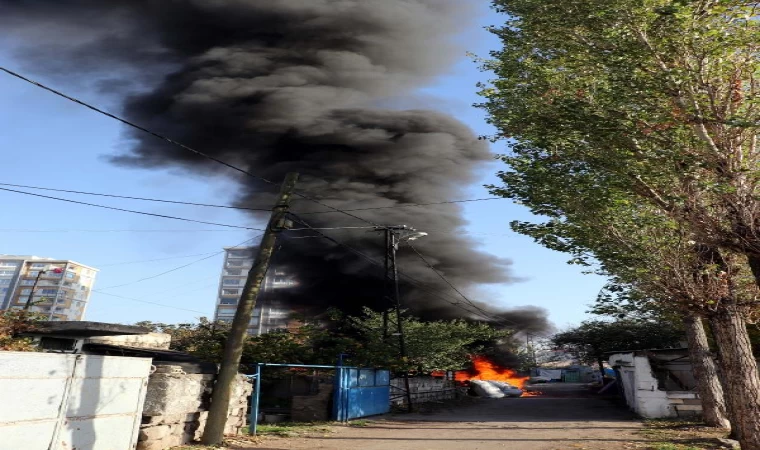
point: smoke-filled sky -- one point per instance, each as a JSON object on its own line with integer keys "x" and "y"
{"x": 326, "y": 88}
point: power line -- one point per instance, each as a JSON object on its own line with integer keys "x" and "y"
{"x": 470, "y": 302}
{"x": 173, "y": 142}
{"x": 333, "y": 228}
{"x": 130, "y": 210}
{"x": 15, "y": 230}
{"x": 209, "y": 205}
{"x": 153, "y": 260}
{"x": 414, "y": 281}
{"x": 176, "y": 268}
{"x": 176, "y": 202}
{"x": 133, "y": 125}
{"x": 442, "y": 277}
{"x": 408, "y": 206}
{"x": 148, "y": 302}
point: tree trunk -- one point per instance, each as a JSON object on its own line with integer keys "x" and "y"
{"x": 741, "y": 381}
{"x": 705, "y": 373}
{"x": 600, "y": 361}
{"x": 754, "y": 265}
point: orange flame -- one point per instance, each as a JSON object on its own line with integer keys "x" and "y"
{"x": 488, "y": 371}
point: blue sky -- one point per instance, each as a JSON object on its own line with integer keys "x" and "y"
{"x": 47, "y": 141}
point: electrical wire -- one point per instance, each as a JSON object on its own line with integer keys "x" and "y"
{"x": 408, "y": 206}
{"x": 451, "y": 285}
{"x": 333, "y": 228}
{"x": 176, "y": 268}
{"x": 153, "y": 260}
{"x": 148, "y": 302}
{"x": 13, "y": 230}
{"x": 163, "y": 216}
{"x": 176, "y": 202}
{"x": 414, "y": 281}
{"x": 173, "y": 142}
{"x": 470, "y": 302}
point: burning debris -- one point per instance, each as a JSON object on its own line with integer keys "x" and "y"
{"x": 318, "y": 87}
{"x": 488, "y": 379}
{"x": 484, "y": 369}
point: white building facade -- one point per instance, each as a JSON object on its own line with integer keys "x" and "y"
{"x": 57, "y": 289}
{"x": 270, "y": 313}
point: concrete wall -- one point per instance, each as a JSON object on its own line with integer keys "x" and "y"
{"x": 159, "y": 341}
{"x": 642, "y": 390}
{"x": 176, "y": 407}
{"x": 423, "y": 389}
{"x": 65, "y": 401}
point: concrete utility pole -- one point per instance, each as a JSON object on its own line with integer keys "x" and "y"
{"x": 213, "y": 434}
{"x": 28, "y": 303}
{"x": 394, "y": 235}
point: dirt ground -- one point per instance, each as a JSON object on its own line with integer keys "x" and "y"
{"x": 566, "y": 417}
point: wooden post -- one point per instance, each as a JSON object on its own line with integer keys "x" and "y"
{"x": 213, "y": 434}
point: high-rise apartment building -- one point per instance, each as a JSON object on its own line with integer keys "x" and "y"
{"x": 270, "y": 313}
{"x": 58, "y": 289}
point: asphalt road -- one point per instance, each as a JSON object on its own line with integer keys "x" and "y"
{"x": 567, "y": 417}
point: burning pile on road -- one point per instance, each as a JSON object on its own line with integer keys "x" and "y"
{"x": 487, "y": 379}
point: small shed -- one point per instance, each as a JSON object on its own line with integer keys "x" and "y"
{"x": 70, "y": 336}
{"x": 657, "y": 383}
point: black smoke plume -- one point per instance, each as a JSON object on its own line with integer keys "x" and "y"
{"x": 274, "y": 86}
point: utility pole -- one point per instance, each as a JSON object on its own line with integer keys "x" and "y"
{"x": 213, "y": 434}
{"x": 393, "y": 236}
{"x": 31, "y": 292}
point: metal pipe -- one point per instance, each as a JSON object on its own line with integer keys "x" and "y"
{"x": 308, "y": 366}
{"x": 255, "y": 408}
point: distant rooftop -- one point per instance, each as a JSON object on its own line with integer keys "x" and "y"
{"x": 78, "y": 328}
{"x": 36, "y": 258}
{"x": 42, "y": 258}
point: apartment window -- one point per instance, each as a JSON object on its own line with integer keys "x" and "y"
{"x": 239, "y": 254}
{"x": 70, "y": 274}
{"x": 8, "y": 264}
{"x": 230, "y": 282}
{"x": 5, "y": 282}
{"x": 27, "y": 282}
{"x": 6, "y": 273}
{"x": 230, "y": 291}
{"x": 49, "y": 292}
{"x": 38, "y": 266}
{"x": 234, "y": 272}
{"x": 235, "y": 263}
{"x": 228, "y": 301}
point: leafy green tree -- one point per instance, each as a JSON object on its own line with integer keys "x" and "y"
{"x": 13, "y": 323}
{"x": 430, "y": 345}
{"x": 592, "y": 340}
{"x": 204, "y": 339}
{"x": 435, "y": 345}
{"x": 644, "y": 112}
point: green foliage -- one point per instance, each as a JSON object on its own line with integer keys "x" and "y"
{"x": 591, "y": 340}
{"x": 204, "y": 339}
{"x": 433, "y": 345}
{"x": 13, "y": 323}
{"x": 634, "y": 126}
{"x": 436, "y": 345}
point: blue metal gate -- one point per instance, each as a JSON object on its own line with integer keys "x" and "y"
{"x": 357, "y": 393}
{"x": 360, "y": 393}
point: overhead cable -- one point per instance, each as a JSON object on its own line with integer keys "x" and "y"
{"x": 173, "y": 142}
{"x": 163, "y": 216}
{"x": 176, "y": 202}
{"x": 177, "y": 268}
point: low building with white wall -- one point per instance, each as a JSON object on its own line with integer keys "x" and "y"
{"x": 657, "y": 383}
